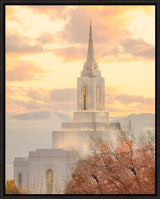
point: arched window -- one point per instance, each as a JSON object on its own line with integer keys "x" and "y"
{"x": 49, "y": 181}
{"x": 84, "y": 98}
{"x": 98, "y": 98}
{"x": 20, "y": 180}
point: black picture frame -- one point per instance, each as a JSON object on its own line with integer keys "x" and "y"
{"x": 3, "y": 3}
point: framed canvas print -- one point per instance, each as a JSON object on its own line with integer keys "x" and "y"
{"x": 79, "y": 99}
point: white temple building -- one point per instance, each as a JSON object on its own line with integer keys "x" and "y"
{"x": 46, "y": 171}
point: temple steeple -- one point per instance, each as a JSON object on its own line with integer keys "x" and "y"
{"x": 90, "y": 67}
{"x": 90, "y": 55}
{"x": 90, "y": 86}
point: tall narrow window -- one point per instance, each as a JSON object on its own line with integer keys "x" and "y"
{"x": 84, "y": 97}
{"x": 49, "y": 181}
{"x": 98, "y": 98}
{"x": 20, "y": 180}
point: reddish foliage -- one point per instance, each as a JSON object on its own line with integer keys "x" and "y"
{"x": 129, "y": 171}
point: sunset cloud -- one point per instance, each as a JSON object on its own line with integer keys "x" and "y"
{"x": 138, "y": 47}
{"x": 19, "y": 106}
{"x": 61, "y": 100}
{"x": 42, "y": 115}
{"x": 130, "y": 99}
{"x": 108, "y": 35}
{"x": 24, "y": 71}
{"x": 70, "y": 54}
{"x": 11, "y": 14}
{"x": 64, "y": 100}
{"x": 33, "y": 115}
{"x": 27, "y": 105}
{"x": 56, "y": 96}
{"x": 63, "y": 95}
{"x": 18, "y": 44}
{"x": 45, "y": 38}
{"x": 121, "y": 112}
{"x": 51, "y": 11}
{"x": 65, "y": 107}
{"x": 76, "y": 29}
{"x": 113, "y": 40}
{"x": 49, "y": 43}
{"x": 38, "y": 95}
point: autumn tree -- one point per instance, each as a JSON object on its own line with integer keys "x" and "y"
{"x": 11, "y": 188}
{"x": 128, "y": 170}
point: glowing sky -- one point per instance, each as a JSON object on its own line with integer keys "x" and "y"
{"x": 46, "y": 47}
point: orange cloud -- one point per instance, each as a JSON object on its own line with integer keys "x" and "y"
{"x": 24, "y": 71}
{"x": 12, "y": 108}
{"x": 63, "y": 95}
{"x": 112, "y": 39}
{"x": 122, "y": 104}
{"x": 38, "y": 95}
{"x": 108, "y": 24}
{"x": 71, "y": 53}
{"x": 10, "y": 12}
{"x": 51, "y": 11}
{"x": 18, "y": 44}
{"x": 14, "y": 105}
{"x": 138, "y": 47}
{"x": 127, "y": 50}
{"x": 45, "y": 38}
{"x": 64, "y": 100}
{"x": 36, "y": 115}
{"x": 130, "y": 99}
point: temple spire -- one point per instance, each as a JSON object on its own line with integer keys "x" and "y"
{"x": 90, "y": 30}
{"x": 90, "y": 67}
{"x": 90, "y": 54}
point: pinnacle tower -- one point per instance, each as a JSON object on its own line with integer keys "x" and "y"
{"x": 90, "y": 67}
{"x": 90, "y": 55}
{"x": 90, "y": 86}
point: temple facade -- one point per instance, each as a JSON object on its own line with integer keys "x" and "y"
{"x": 46, "y": 171}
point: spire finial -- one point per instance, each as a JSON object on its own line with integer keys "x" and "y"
{"x": 90, "y": 55}
{"x": 90, "y": 32}
{"x": 90, "y": 67}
